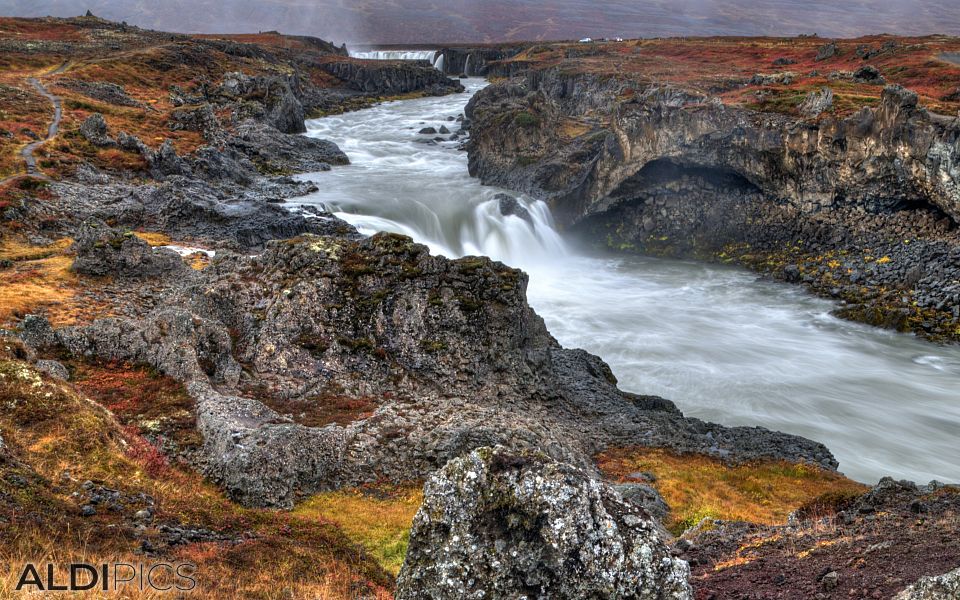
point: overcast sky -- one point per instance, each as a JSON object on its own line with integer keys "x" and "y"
{"x": 437, "y": 21}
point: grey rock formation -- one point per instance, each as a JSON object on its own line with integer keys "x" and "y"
{"x": 287, "y": 115}
{"x": 201, "y": 119}
{"x": 102, "y": 250}
{"x": 813, "y": 166}
{"x": 868, "y": 74}
{"x": 509, "y": 206}
{"x": 407, "y": 338}
{"x": 53, "y": 368}
{"x": 646, "y": 497}
{"x": 817, "y": 103}
{"x": 94, "y": 130}
{"x": 393, "y": 77}
{"x": 496, "y": 524}
{"x": 827, "y": 51}
{"x": 941, "y": 587}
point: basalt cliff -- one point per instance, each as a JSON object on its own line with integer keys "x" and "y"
{"x": 831, "y": 173}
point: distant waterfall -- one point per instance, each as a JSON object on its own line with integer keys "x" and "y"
{"x": 439, "y": 64}
{"x": 427, "y": 55}
{"x": 466, "y": 65}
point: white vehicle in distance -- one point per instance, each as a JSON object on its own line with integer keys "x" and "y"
{"x": 586, "y": 40}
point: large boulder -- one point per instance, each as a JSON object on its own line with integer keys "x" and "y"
{"x": 94, "y": 130}
{"x": 495, "y": 524}
{"x": 102, "y": 250}
{"x": 941, "y": 587}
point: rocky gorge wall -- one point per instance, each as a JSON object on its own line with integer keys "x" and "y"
{"x": 661, "y": 170}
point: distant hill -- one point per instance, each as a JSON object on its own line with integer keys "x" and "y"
{"x": 437, "y": 21}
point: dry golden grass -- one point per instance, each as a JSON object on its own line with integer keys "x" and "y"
{"x": 153, "y": 238}
{"x": 378, "y": 518}
{"x": 572, "y": 129}
{"x": 37, "y": 278}
{"x": 50, "y": 429}
{"x": 698, "y": 487}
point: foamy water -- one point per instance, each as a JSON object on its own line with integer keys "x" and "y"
{"x": 723, "y": 345}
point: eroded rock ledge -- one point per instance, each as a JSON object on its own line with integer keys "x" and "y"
{"x": 328, "y": 361}
{"x": 660, "y": 170}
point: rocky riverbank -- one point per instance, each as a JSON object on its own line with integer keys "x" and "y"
{"x": 859, "y": 205}
{"x": 166, "y": 317}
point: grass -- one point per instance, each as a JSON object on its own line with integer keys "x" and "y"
{"x": 35, "y": 279}
{"x": 154, "y": 238}
{"x": 723, "y": 67}
{"x": 378, "y": 518}
{"x": 55, "y": 438}
{"x": 697, "y": 487}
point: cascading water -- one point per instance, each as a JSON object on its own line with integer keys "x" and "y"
{"x": 723, "y": 345}
{"x": 466, "y": 66}
{"x": 427, "y": 55}
{"x": 439, "y": 64}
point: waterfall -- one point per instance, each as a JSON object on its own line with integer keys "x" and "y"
{"x": 440, "y": 63}
{"x": 721, "y": 343}
{"x": 466, "y": 65}
{"x": 427, "y": 55}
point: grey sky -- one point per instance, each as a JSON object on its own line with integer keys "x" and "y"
{"x": 437, "y": 21}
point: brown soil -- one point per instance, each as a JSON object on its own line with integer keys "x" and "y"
{"x": 878, "y": 545}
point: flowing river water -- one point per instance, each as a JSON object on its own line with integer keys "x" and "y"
{"x": 722, "y": 344}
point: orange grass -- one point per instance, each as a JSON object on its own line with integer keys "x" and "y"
{"x": 697, "y": 487}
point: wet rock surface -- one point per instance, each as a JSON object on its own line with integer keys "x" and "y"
{"x": 393, "y": 78}
{"x": 500, "y": 524}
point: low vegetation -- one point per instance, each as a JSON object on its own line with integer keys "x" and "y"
{"x": 698, "y": 487}
{"x": 37, "y": 279}
{"x": 726, "y": 66}
{"x": 60, "y": 447}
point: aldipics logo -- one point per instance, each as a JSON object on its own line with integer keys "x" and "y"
{"x": 107, "y": 577}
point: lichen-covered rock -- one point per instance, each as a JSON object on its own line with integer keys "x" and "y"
{"x": 94, "y": 130}
{"x": 355, "y": 353}
{"x": 494, "y": 524}
{"x": 102, "y": 250}
{"x": 941, "y": 587}
{"x": 53, "y": 368}
{"x": 817, "y": 103}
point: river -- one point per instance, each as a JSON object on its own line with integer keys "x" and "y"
{"x": 722, "y": 344}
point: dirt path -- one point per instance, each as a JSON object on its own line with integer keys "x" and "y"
{"x": 27, "y": 152}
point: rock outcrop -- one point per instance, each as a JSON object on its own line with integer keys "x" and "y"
{"x": 870, "y": 546}
{"x": 496, "y": 524}
{"x": 391, "y": 78}
{"x": 666, "y": 171}
{"x": 328, "y": 361}
{"x": 940, "y": 587}
{"x": 877, "y": 159}
{"x": 102, "y": 251}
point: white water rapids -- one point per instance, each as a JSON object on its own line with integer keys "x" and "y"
{"x": 723, "y": 345}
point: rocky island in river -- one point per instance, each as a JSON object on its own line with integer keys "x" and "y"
{"x": 192, "y": 372}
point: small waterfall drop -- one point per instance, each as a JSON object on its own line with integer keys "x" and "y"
{"x": 466, "y": 65}
{"x": 440, "y": 62}
{"x": 723, "y": 345}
